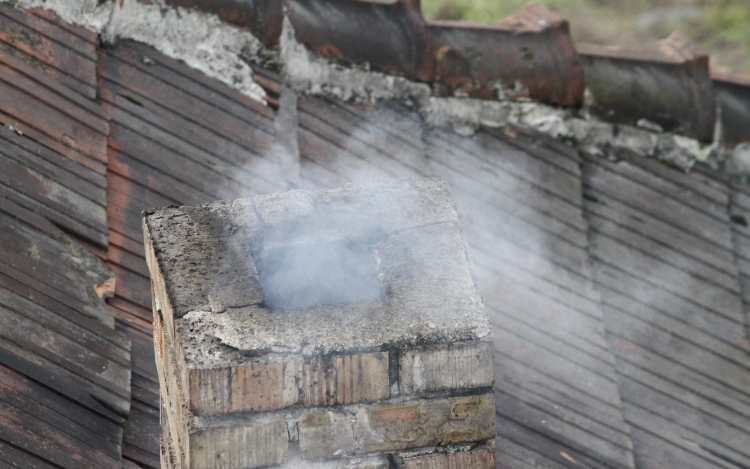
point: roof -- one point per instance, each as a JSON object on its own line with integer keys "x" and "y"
{"x": 617, "y": 286}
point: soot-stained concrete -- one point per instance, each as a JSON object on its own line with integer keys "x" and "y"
{"x": 206, "y": 256}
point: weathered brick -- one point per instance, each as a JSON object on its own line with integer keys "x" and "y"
{"x": 456, "y": 366}
{"x": 209, "y": 391}
{"x": 264, "y": 386}
{"x": 325, "y": 434}
{"x": 253, "y": 444}
{"x": 369, "y": 462}
{"x": 482, "y": 457}
{"x": 267, "y": 386}
{"x": 345, "y": 379}
{"x": 358, "y": 430}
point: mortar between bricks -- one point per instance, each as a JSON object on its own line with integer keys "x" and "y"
{"x": 264, "y": 360}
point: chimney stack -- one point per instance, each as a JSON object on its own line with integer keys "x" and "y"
{"x": 332, "y": 329}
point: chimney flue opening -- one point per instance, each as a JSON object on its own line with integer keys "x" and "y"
{"x": 318, "y": 273}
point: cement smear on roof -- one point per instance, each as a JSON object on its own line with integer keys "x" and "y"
{"x": 201, "y": 40}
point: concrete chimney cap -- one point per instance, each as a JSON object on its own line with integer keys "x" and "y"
{"x": 229, "y": 281}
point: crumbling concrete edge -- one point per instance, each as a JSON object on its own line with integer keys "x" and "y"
{"x": 574, "y": 127}
{"x": 201, "y": 40}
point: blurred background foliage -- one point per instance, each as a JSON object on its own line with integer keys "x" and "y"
{"x": 719, "y": 27}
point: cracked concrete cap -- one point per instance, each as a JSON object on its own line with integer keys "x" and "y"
{"x": 355, "y": 268}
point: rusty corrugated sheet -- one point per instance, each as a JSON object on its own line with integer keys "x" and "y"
{"x": 262, "y": 17}
{"x": 666, "y": 83}
{"x": 390, "y": 35}
{"x": 529, "y": 54}
{"x": 733, "y": 93}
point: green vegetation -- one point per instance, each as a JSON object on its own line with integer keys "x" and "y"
{"x": 720, "y": 27}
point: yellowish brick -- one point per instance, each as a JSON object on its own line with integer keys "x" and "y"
{"x": 254, "y": 444}
{"x": 462, "y": 365}
{"x": 397, "y": 426}
{"x": 345, "y": 379}
{"x": 482, "y": 457}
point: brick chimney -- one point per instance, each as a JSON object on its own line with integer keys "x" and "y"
{"x": 332, "y": 329}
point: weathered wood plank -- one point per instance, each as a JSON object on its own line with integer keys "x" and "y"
{"x": 171, "y": 98}
{"x": 508, "y": 298}
{"x": 393, "y": 132}
{"x": 162, "y": 183}
{"x": 683, "y": 216}
{"x": 339, "y": 160}
{"x": 214, "y": 180}
{"x": 18, "y": 32}
{"x": 478, "y": 178}
{"x": 192, "y": 81}
{"x": 38, "y": 257}
{"x": 128, "y": 311}
{"x": 551, "y": 449}
{"x": 518, "y": 379}
{"x": 363, "y": 140}
{"x": 665, "y": 277}
{"x": 696, "y": 190}
{"x": 639, "y": 381}
{"x": 541, "y": 146}
{"x": 141, "y": 438}
{"x": 46, "y": 190}
{"x": 314, "y": 176}
{"x": 25, "y": 107}
{"x": 86, "y": 439}
{"x": 125, "y": 193}
{"x": 633, "y": 288}
{"x": 16, "y": 305}
{"x": 729, "y": 343}
{"x": 59, "y": 404}
{"x": 60, "y": 77}
{"x": 511, "y": 455}
{"x": 30, "y": 133}
{"x": 533, "y": 247}
{"x": 133, "y": 287}
{"x": 124, "y": 259}
{"x": 14, "y": 457}
{"x": 580, "y": 356}
{"x": 683, "y": 376}
{"x": 568, "y": 283}
{"x": 194, "y": 144}
{"x": 487, "y": 147}
{"x": 656, "y": 452}
{"x": 41, "y": 439}
{"x": 556, "y": 367}
{"x": 655, "y": 228}
{"x": 49, "y": 164}
{"x": 683, "y": 437}
{"x": 22, "y": 147}
{"x": 81, "y": 110}
{"x": 62, "y": 383}
{"x": 589, "y": 440}
{"x": 665, "y": 254}
{"x": 51, "y": 26}
{"x": 491, "y": 212}
{"x": 109, "y": 391}
{"x": 672, "y": 347}
{"x": 58, "y": 349}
